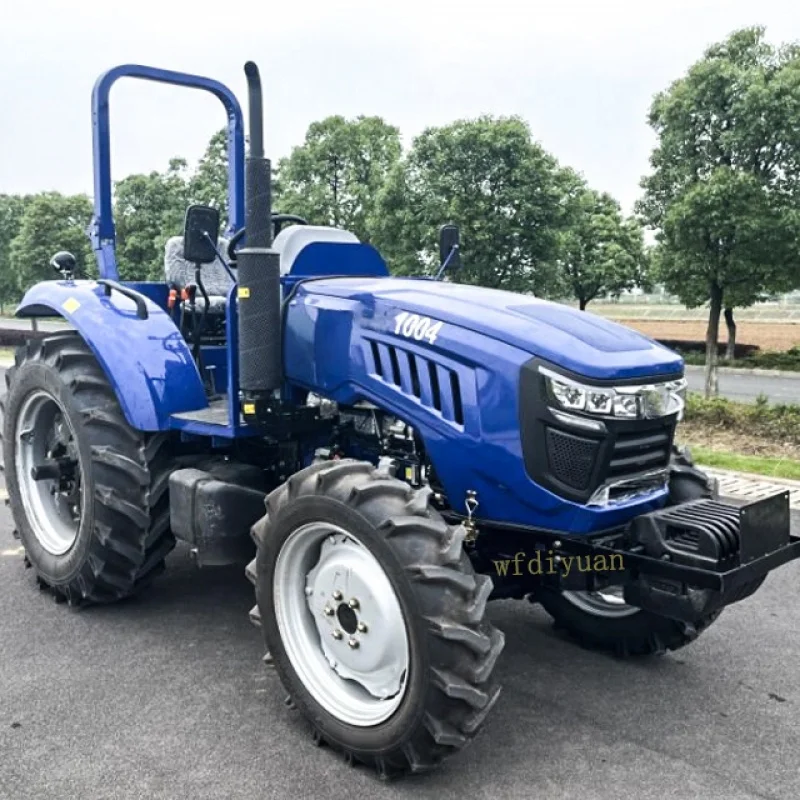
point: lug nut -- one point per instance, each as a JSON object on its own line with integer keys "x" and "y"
{"x": 328, "y": 611}
{"x": 353, "y": 643}
{"x": 337, "y": 595}
{"x": 362, "y": 627}
{"x": 337, "y": 634}
{"x": 353, "y": 603}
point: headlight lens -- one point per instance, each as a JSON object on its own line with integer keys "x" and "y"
{"x": 626, "y": 405}
{"x": 570, "y": 396}
{"x": 625, "y": 402}
{"x": 600, "y": 402}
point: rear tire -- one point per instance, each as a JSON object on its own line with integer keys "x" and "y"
{"x": 398, "y": 547}
{"x": 120, "y": 501}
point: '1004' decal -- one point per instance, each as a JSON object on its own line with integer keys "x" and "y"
{"x": 413, "y": 326}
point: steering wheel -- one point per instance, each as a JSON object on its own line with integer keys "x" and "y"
{"x": 278, "y": 221}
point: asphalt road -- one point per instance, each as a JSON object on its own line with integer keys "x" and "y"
{"x": 12, "y": 323}
{"x": 166, "y": 697}
{"x": 746, "y": 388}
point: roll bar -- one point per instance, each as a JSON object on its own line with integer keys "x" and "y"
{"x": 102, "y": 231}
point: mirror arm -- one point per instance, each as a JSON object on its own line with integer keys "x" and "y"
{"x": 440, "y": 273}
{"x": 219, "y": 256}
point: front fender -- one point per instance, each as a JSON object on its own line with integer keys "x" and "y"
{"x": 147, "y": 361}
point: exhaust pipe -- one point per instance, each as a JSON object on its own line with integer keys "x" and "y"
{"x": 259, "y": 290}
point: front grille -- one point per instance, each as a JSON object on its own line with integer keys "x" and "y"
{"x": 636, "y": 452}
{"x": 571, "y": 458}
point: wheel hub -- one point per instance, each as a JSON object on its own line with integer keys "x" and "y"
{"x": 348, "y": 618}
{"x": 48, "y": 472}
{"x": 341, "y": 624}
{"x": 360, "y": 638}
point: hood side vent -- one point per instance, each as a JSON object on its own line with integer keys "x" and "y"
{"x": 433, "y": 385}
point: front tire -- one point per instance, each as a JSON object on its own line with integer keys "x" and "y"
{"x": 374, "y": 616}
{"x": 99, "y": 531}
{"x": 602, "y": 620}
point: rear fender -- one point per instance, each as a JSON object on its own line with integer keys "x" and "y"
{"x": 147, "y": 361}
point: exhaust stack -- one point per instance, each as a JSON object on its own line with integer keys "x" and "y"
{"x": 260, "y": 367}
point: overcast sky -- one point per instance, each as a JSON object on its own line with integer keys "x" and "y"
{"x": 581, "y": 73}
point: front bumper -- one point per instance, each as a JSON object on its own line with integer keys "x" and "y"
{"x": 682, "y": 562}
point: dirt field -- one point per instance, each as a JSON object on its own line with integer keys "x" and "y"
{"x": 766, "y": 335}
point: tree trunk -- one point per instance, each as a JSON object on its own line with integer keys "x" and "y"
{"x": 712, "y": 341}
{"x": 582, "y": 303}
{"x": 730, "y": 350}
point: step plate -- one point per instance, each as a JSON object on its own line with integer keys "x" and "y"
{"x": 215, "y": 414}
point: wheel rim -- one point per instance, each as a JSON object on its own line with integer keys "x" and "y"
{"x": 54, "y": 506}
{"x": 341, "y": 624}
{"x": 608, "y": 602}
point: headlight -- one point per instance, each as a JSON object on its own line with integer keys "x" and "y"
{"x": 647, "y": 401}
{"x": 626, "y": 405}
{"x": 569, "y": 396}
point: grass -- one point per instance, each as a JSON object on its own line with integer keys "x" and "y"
{"x": 773, "y": 423}
{"x": 758, "y": 465}
{"x": 759, "y": 438}
{"x": 6, "y": 353}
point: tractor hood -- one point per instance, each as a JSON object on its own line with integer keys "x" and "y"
{"x": 576, "y": 340}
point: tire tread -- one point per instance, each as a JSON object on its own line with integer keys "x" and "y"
{"x": 451, "y": 596}
{"x": 129, "y": 471}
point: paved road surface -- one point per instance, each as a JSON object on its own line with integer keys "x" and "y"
{"x": 165, "y": 697}
{"x": 745, "y": 388}
{"x": 22, "y": 324}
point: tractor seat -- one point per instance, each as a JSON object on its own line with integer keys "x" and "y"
{"x": 180, "y": 273}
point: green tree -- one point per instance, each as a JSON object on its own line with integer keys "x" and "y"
{"x": 600, "y": 252}
{"x": 12, "y": 207}
{"x": 488, "y": 176}
{"x": 51, "y": 222}
{"x": 335, "y": 176}
{"x": 726, "y": 174}
{"x": 148, "y": 209}
{"x": 209, "y": 183}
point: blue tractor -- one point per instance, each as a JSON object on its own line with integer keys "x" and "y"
{"x": 421, "y": 447}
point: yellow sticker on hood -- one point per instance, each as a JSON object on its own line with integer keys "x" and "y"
{"x": 70, "y": 305}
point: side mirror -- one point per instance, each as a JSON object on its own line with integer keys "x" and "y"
{"x": 449, "y": 246}
{"x": 64, "y": 263}
{"x": 200, "y": 234}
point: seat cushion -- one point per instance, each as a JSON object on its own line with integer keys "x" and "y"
{"x": 216, "y": 303}
{"x": 180, "y": 272}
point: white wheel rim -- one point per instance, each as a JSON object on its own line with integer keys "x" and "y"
{"x": 341, "y": 624}
{"x": 53, "y": 507}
